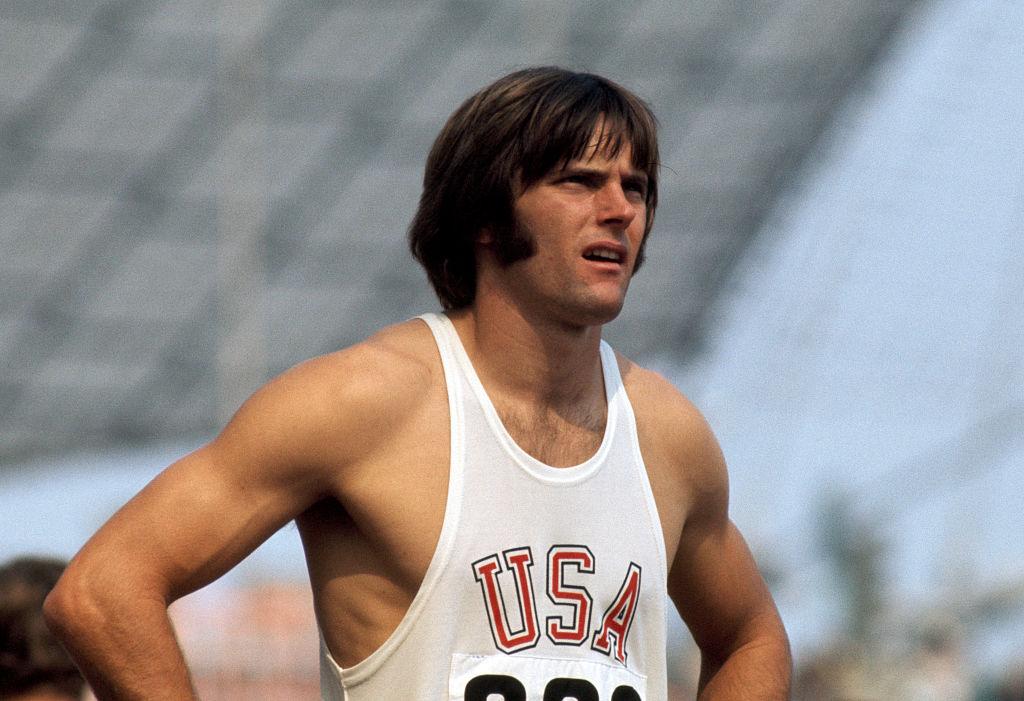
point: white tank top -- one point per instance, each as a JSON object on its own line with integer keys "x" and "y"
{"x": 547, "y": 583}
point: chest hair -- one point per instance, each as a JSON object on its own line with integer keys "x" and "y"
{"x": 557, "y": 437}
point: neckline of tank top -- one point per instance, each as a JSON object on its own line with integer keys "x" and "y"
{"x": 571, "y": 474}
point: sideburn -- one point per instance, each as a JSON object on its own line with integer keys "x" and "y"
{"x": 512, "y": 243}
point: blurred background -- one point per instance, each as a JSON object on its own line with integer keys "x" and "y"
{"x": 195, "y": 196}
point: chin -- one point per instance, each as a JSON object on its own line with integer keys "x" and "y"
{"x": 599, "y": 313}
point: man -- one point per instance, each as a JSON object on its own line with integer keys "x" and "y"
{"x": 33, "y": 665}
{"x": 491, "y": 502}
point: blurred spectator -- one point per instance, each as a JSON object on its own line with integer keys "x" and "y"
{"x": 33, "y": 665}
{"x": 1011, "y": 688}
{"x": 842, "y": 671}
{"x": 938, "y": 671}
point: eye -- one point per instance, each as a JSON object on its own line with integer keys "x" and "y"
{"x": 578, "y": 179}
{"x": 635, "y": 187}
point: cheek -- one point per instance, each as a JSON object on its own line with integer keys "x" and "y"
{"x": 636, "y": 232}
{"x": 545, "y": 231}
{"x": 528, "y": 223}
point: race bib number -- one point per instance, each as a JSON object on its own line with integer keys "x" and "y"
{"x": 522, "y": 678}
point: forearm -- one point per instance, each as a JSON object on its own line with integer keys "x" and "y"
{"x": 757, "y": 671}
{"x": 124, "y": 645}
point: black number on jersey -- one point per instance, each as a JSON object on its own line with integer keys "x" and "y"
{"x": 563, "y": 688}
{"x": 560, "y": 689}
{"x": 509, "y": 688}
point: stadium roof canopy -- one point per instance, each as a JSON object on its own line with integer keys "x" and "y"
{"x": 194, "y": 199}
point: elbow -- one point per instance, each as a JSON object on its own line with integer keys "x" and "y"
{"x": 63, "y": 607}
{"x": 772, "y": 642}
{"x": 73, "y": 608}
{"x": 759, "y": 656}
{"x": 88, "y": 600}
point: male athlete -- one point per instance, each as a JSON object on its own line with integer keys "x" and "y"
{"x": 492, "y": 503}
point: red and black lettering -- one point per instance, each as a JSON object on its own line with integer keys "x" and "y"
{"x": 561, "y": 558}
{"x": 617, "y": 620}
{"x": 518, "y": 561}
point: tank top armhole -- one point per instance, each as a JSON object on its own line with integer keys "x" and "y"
{"x": 364, "y": 669}
{"x": 617, "y": 391}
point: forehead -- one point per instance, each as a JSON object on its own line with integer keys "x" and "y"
{"x": 576, "y": 140}
{"x": 607, "y": 142}
{"x": 599, "y": 157}
{"x": 598, "y": 153}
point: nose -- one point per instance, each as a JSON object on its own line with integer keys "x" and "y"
{"x": 614, "y": 206}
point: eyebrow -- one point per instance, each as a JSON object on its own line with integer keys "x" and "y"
{"x": 635, "y": 177}
{"x": 638, "y": 179}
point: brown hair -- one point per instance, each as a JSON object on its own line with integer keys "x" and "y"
{"x": 30, "y": 657}
{"x": 515, "y": 131}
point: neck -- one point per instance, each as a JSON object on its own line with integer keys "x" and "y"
{"x": 539, "y": 360}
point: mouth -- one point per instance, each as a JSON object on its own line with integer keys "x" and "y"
{"x": 605, "y": 253}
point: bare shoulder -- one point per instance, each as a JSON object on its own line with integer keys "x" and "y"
{"x": 678, "y": 444}
{"x": 314, "y": 411}
{"x": 389, "y": 370}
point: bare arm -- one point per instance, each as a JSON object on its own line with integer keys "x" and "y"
{"x": 191, "y": 524}
{"x": 720, "y": 593}
{"x": 712, "y": 579}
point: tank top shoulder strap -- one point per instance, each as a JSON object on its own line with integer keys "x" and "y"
{"x": 610, "y": 369}
{"x": 441, "y": 328}
{"x": 444, "y": 336}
